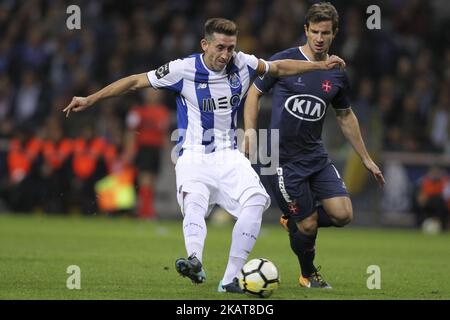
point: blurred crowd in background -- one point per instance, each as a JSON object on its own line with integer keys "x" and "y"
{"x": 400, "y": 78}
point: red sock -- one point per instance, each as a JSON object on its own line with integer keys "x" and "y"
{"x": 145, "y": 209}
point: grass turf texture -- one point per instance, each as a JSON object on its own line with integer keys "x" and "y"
{"x": 129, "y": 259}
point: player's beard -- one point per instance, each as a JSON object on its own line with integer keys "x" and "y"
{"x": 319, "y": 55}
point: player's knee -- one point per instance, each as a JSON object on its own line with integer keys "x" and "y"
{"x": 308, "y": 226}
{"x": 253, "y": 207}
{"x": 195, "y": 203}
{"x": 343, "y": 217}
{"x": 255, "y": 200}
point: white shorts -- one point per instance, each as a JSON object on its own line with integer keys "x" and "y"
{"x": 224, "y": 177}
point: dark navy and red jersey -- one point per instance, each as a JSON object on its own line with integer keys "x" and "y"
{"x": 299, "y": 104}
{"x": 305, "y": 174}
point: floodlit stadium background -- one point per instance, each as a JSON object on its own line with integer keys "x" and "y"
{"x": 399, "y": 75}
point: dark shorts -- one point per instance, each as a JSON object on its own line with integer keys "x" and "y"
{"x": 297, "y": 194}
{"x": 148, "y": 159}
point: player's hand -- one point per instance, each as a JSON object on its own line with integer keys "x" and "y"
{"x": 249, "y": 144}
{"x": 246, "y": 147}
{"x": 378, "y": 175}
{"x": 333, "y": 61}
{"x": 76, "y": 105}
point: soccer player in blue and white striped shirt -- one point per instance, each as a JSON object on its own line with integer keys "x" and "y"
{"x": 211, "y": 87}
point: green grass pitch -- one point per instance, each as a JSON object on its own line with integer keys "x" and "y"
{"x": 124, "y": 258}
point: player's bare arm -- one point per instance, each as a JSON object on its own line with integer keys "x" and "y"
{"x": 350, "y": 128}
{"x": 251, "y": 110}
{"x": 117, "y": 88}
{"x": 289, "y": 67}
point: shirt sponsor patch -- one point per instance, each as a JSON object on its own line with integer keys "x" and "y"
{"x": 162, "y": 71}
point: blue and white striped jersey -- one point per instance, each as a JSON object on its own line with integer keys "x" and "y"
{"x": 207, "y": 101}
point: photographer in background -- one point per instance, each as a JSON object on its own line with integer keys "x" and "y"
{"x": 431, "y": 197}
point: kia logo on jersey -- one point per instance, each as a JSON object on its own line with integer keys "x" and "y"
{"x": 306, "y": 107}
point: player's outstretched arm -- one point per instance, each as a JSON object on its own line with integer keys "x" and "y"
{"x": 289, "y": 67}
{"x": 251, "y": 110}
{"x": 117, "y": 88}
{"x": 350, "y": 127}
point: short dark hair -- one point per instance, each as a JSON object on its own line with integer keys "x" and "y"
{"x": 323, "y": 11}
{"x": 220, "y": 25}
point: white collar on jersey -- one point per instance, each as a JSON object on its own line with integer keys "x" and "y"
{"x": 300, "y": 48}
{"x": 212, "y": 71}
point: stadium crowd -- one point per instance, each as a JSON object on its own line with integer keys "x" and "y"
{"x": 399, "y": 74}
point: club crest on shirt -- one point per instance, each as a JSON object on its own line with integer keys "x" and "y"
{"x": 234, "y": 81}
{"x": 326, "y": 86}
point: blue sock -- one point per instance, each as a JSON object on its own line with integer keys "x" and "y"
{"x": 304, "y": 247}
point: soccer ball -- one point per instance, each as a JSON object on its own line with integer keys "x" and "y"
{"x": 431, "y": 226}
{"x": 259, "y": 277}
